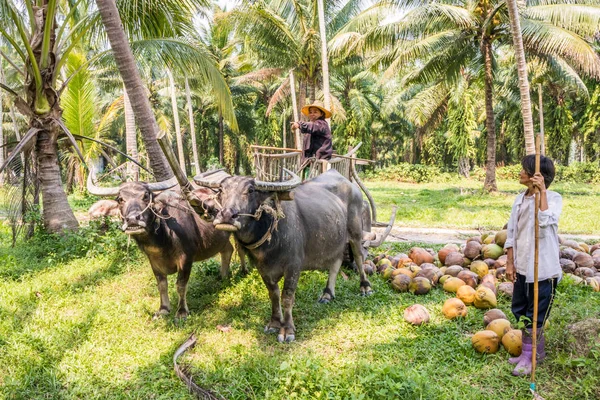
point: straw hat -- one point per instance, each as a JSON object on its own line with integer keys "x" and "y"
{"x": 319, "y": 105}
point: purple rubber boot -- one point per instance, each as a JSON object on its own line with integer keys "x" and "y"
{"x": 524, "y": 365}
{"x": 526, "y": 339}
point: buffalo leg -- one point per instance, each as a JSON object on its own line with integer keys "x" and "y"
{"x": 242, "y": 254}
{"x": 276, "y": 317}
{"x": 182, "y": 281}
{"x": 163, "y": 290}
{"x": 287, "y": 332}
{"x": 226, "y": 260}
{"x": 365, "y": 285}
{"x": 329, "y": 291}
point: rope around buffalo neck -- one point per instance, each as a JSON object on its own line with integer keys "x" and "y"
{"x": 277, "y": 214}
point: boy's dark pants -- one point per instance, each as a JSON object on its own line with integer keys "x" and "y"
{"x": 522, "y": 301}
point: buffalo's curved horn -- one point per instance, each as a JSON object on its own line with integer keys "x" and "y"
{"x": 111, "y": 191}
{"x": 164, "y": 185}
{"x": 212, "y": 179}
{"x": 279, "y": 186}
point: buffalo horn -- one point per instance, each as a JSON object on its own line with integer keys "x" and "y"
{"x": 111, "y": 191}
{"x": 279, "y": 186}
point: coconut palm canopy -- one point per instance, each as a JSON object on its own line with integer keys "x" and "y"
{"x": 415, "y": 81}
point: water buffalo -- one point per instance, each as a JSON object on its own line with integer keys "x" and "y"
{"x": 283, "y": 238}
{"x": 170, "y": 233}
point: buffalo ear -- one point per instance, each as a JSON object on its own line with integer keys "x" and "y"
{"x": 286, "y": 196}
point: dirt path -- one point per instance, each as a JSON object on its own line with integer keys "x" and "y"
{"x": 443, "y": 236}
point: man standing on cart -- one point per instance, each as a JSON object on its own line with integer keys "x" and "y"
{"x": 317, "y": 140}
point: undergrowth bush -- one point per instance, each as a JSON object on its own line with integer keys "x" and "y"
{"x": 418, "y": 173}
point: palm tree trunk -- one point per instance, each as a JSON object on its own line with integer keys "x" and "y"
{"x": 142, "y": 109}
{"x": 490, "y": 123}
{"x": 188, "y": 97}
{"x": 2, "y": 149}
{"x": 221, "y": 157}
{"x": 133, "y": 170}
{"x": 175, "y": 109}
{"x": 515, "y": 26}
{"x": 324, "y": 61}
{"x": 463, "y": 166}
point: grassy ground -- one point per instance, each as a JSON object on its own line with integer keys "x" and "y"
{"x": 76, "y": 322}
{"x": 464, "y": 205}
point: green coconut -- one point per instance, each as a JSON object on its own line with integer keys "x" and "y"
{"x": 492, "y": 251}
{"x": 420, "y": 285}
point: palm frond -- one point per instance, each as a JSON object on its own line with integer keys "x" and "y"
{"x": 583, "y": 20}
{"x": 426, "y": 105}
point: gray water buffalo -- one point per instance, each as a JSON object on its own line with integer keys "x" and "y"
{"x": 283, "y": 238}
{"x": 170, "y": 233}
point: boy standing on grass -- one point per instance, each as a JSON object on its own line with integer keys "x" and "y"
{"x": 520, "y": 251}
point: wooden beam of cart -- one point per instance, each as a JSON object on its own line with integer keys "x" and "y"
{"x": 275, "y": 148}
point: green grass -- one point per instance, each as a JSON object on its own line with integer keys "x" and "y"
{"x": 76, "y": 322}
{"x": 464, "y": 205}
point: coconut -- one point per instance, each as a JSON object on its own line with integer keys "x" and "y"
{"x": 449, "y": 248}
{"x": 506, "y": 289}
{"x": 433, "y": 274}
{"x": 405, "y": 261}
{"x": 584, "y": 272}
{"x": 500, "y": 237}
{"x": 485, "y": 298}
{"x": 466, "y": 262}
{"x": 387, "y": 274}
{"x": 474, "y": 239}
{"x": 500, "y": 326}
{"x": 500, "y": 274}
{"x": 454, "y": 308}
{"x": 472, "y": 249}
{"x": 419, "y": 255}
{"x": 428, "y": 266}
{"x": 419, "y": 285}
{"x": 585, "y": 247}
{"x": 593, "y": 283}
{"x": 466, "y": 293}
{"x": 469, "y": 277}
{"x": 404, "y": 271}
{"x": 486, "y": 342}
{"x": 488, "y": 240}
{"x": 568, "y": 266}
{"x": 454, "y": 270}
{"x": 500, "y": 262}
{"x": 368, "y": 268}
{"x": 572, "y": 244}
{"x": 416, "y": 314}
{"x": 594, "y": 248}
{"x": 454, "y": 258}
{"x": 384, "y": 261}
{"x": 490, "y": 262}
{"x": 443, "y": 279}
{"x": 596, "y": 260}
{"x": 576, "y": 280}
{"x": 400, "y": 283}
{"x": 414, "y": 268}
{"x": 583, "y": 260}
{"x": 491, "y": 315}
{"x": 568, "y": 253}
{"x": 480, "y": 268}
{"x": 512, "y": 342}
{"x": 489, "y": 285}
{"x": 492, "y": 251}
{"x": 452, "y": 284}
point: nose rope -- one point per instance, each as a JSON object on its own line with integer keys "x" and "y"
{"x": 276, "y": 213}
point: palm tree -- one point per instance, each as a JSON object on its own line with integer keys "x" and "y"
{"x": 438, "y": 41}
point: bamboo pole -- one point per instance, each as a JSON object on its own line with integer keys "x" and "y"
{"x": 536, "y": 256}
{"x": 295, "y": 109}
{"x": 542, "y": 136}
{"x": 324, "y": 61}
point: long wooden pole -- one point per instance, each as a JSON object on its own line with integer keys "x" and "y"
{"x": 295, "y": 109}
{"x": 536, "y": 257}
{"x": 542, "y": 135}
{"x": 324, "y": 61}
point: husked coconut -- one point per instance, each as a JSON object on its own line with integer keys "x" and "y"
{"x": 474, "y": 239}
{"x": 568, "y": 253}
{"x": 584, "y": 272}
{"x": 416, "y": 315}
{"x": 400, "y": 283}
{"x": 454, "y": 270}
{"x": 501, "y": 274}
{"x": 443, "y": 279}
{"x": 480, "y": 268}
{"x": 433, "y": 274}
{"x": 491, "y": 315}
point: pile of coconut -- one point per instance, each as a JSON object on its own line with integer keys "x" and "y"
{"x": 476, "y": 273}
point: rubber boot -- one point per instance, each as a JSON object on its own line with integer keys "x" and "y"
{"x": 524, "y": 365}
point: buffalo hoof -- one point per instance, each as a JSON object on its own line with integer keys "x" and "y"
{"x": 326, "y": 298}
{"x": 285, "y": 338}
{"x": 366, "y": 291}
{"x": 182, "y": 315}
{"x": 323, "y": 300}
{"x": 163, "y": 312}
{"x": 270, "y": 329}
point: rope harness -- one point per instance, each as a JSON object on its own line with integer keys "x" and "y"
{"x": 276, "y": 211}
